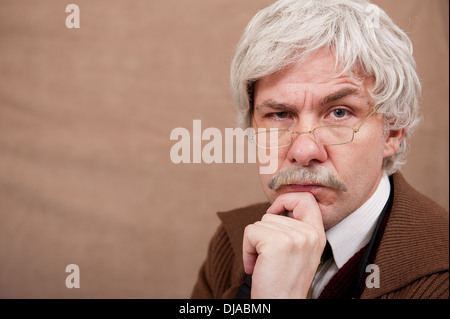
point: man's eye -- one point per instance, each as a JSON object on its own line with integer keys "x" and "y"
{"x": 280, "y": 115}
{"x": 339, "y": 113}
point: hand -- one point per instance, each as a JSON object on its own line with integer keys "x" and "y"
{"x": 283, "y": 253}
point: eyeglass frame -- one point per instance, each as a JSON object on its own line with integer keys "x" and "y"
{"x": 354, "y": 130}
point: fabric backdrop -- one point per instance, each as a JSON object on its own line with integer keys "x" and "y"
{"x": 85, "y": 121}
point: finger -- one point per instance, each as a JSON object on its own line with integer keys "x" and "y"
{"x": 279, "y": 222}
{"x": 308, "y": 211}
{"x": 294, "y": 229}
{"x": 251, "y": 242}
{"x": 303, "y": 206}
{"x": 257, "y": 236}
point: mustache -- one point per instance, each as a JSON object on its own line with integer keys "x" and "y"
{"x": 306, "y": 175}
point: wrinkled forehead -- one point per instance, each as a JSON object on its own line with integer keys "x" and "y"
{"x": 318, "y": 73}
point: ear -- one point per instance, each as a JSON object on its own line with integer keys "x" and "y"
{"x": 392, "y": 142}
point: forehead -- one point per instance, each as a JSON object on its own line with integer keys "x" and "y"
{"x": 316, "y": 75}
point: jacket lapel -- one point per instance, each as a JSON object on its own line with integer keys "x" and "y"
{"x": 414, "y": 242}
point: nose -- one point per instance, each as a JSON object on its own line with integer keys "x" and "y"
{"x": 305, "y": 151}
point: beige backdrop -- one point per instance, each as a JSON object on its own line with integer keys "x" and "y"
{"x": 85, "y": 120}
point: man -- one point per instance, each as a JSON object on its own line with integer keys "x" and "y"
{"x": 332, "y": 94}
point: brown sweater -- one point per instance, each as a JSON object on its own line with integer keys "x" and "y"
{"x": 412, "y": 255}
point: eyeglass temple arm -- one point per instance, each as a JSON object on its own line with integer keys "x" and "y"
{"x": 356, "y": 130}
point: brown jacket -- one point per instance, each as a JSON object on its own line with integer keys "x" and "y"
{"x": 412, "y": 256}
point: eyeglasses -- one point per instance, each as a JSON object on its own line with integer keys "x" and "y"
{"x": 325, "y": 135}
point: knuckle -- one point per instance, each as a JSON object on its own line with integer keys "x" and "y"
{"x": 248, "y": 229}
{"x": 313, "y": 236}
{"x": 299, "y": 239}
{"x": 285, "y": 241}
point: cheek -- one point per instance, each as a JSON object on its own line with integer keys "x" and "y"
{"x": 356, "y": 161}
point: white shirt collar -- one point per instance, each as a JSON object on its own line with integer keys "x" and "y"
{"x": 355, "y": 231}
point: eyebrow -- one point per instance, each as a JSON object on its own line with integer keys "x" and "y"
{"x": 340, "y": 94}
{"x": 275, "y": 106}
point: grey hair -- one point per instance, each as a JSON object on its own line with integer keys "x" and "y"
{"x": 359, "y": 34}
